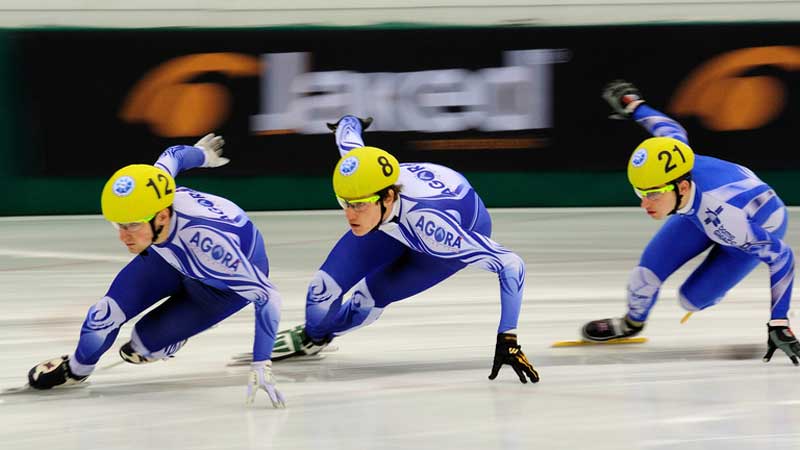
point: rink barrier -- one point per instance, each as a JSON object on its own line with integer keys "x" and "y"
{"x": 539, "y": 137}
{"x": 29, "y": 196}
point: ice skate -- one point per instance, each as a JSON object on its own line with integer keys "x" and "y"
{"x": 128, "y": 354}
{"x": 244, "y": 359}
{"x": 608, "y": 329}
{"x": 53, "y": 373}
{"x": 294, "y": 343}
{"x": 607, "y": 332}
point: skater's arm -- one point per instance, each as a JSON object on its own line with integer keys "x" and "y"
{"x": 205, "y": 153}
{"x": 348, "y": 131}
{"x": 780, "y": 259}
{"x": 733, "y": 227}
{"x": 267, "y": 319}
{"x": 510, "y": 270}
{"x": 627, "y": 103}
{"x": 440, "y": 235}
{"x": 261, "y": 377}
{"x": 659, "y": 124}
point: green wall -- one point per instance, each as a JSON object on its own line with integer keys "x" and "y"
{"x": 25, "y": 195}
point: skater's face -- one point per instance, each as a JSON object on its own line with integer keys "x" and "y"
{"x": 658, "y": 202}
{"x": 363, "y": 217}
{"x": 137, "y": 236}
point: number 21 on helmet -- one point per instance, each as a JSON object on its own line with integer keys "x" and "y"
{"x": 658, "y": 161}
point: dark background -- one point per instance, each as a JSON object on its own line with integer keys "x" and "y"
{"x": 68, "y": 86}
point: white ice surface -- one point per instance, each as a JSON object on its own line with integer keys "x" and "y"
{"x": 417, "y": 378}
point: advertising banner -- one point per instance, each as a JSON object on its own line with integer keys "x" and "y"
{"x": 478, "y": 99}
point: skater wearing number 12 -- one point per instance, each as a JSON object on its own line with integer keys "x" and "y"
{"x": 412, "y": 226}
{"x": 198, "y": 250}
{"x": 709, "y": 204}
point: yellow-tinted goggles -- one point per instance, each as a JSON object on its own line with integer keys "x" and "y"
{"x": 358, "y": 204}
{"x": 654, "y": 194}
{"x": 132, "y": 226}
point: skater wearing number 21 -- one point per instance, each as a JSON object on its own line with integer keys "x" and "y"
{"x": 708, "y": 203}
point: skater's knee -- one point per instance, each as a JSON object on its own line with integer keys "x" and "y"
{"x": 644, "y": 281}
{"x": 513, "y": 269}
{"x": 363, "y": 308}
{"x": 685, "y": 302}
{"x": 104, "y": 318}
{"x": 136, "y": 343}
{"x": 696, "y": 301}
{"x": 643, "y": 287}
{"x": 322, "y": 292}
{"x": 147, "y": 351}
{"x": 362, "y": 298}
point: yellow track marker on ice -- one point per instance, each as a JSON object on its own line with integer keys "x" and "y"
{"x": 630, "y": 340}
{"x": 686, "y": 317}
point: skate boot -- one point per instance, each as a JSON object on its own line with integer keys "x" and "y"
{"x": 295, "y": 342}
{"x": 52, "y": 373}
{"x": 130, "y": 355}
{"x": 607, "y": 329}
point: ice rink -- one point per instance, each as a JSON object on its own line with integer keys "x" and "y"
{"x": 417, "y": 378}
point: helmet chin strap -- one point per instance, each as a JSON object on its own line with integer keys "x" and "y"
{"x": 157, "y": 231}
{"x": 380, "y": 219}
{"x": 678, "y": 198}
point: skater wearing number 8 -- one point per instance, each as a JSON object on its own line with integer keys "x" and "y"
{"x": 708, "y": 203}
{"x": 412, "y": 226}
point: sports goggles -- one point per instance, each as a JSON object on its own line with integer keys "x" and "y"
{"x": 654, "y": 194}
{"x": 359, "y": 204}
{"x": 132, "y": 227}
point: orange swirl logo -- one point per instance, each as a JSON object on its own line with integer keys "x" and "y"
{"x": 726, "y": 99}
{"x": 174, "y": 106}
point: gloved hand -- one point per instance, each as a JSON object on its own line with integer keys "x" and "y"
{"x": 211, "y": 146}
{"x": 780, "y": 336}
{"x": 507, "y": 351}
{"x": 365, "y": 123}
{"x": 261, "y": 378}
{"x": 623, "y": 97}
{"x": 348, "y": 132}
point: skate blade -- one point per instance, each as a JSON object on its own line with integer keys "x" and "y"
{"x": 111, "y": 365}
{"x": 248, "y": 357}
{"x": 27, "y": 389}
{"x": 299, "y": 358}
{"x": 17, "y": 390}
{"x": 330, "y": 348}
{"x": 245, "y": 359}
{"x": 315, "y": 357}
{"x": 583, "y": 342}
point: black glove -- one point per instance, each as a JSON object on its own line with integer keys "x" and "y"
{"x": 780, "y": 336}
{"x": 620, "y": 95}
{"x": 507, "y": 351}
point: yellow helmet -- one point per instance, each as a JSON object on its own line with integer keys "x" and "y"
{"x": 136, "y": 192}
{"x": 658, "y": 161}
{"x": 364, "y": 171}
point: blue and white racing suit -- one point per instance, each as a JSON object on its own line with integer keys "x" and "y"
{"x": 439, "y": 226}
{"x": 212, "y": 264}
{"x": 730, "y": 210}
